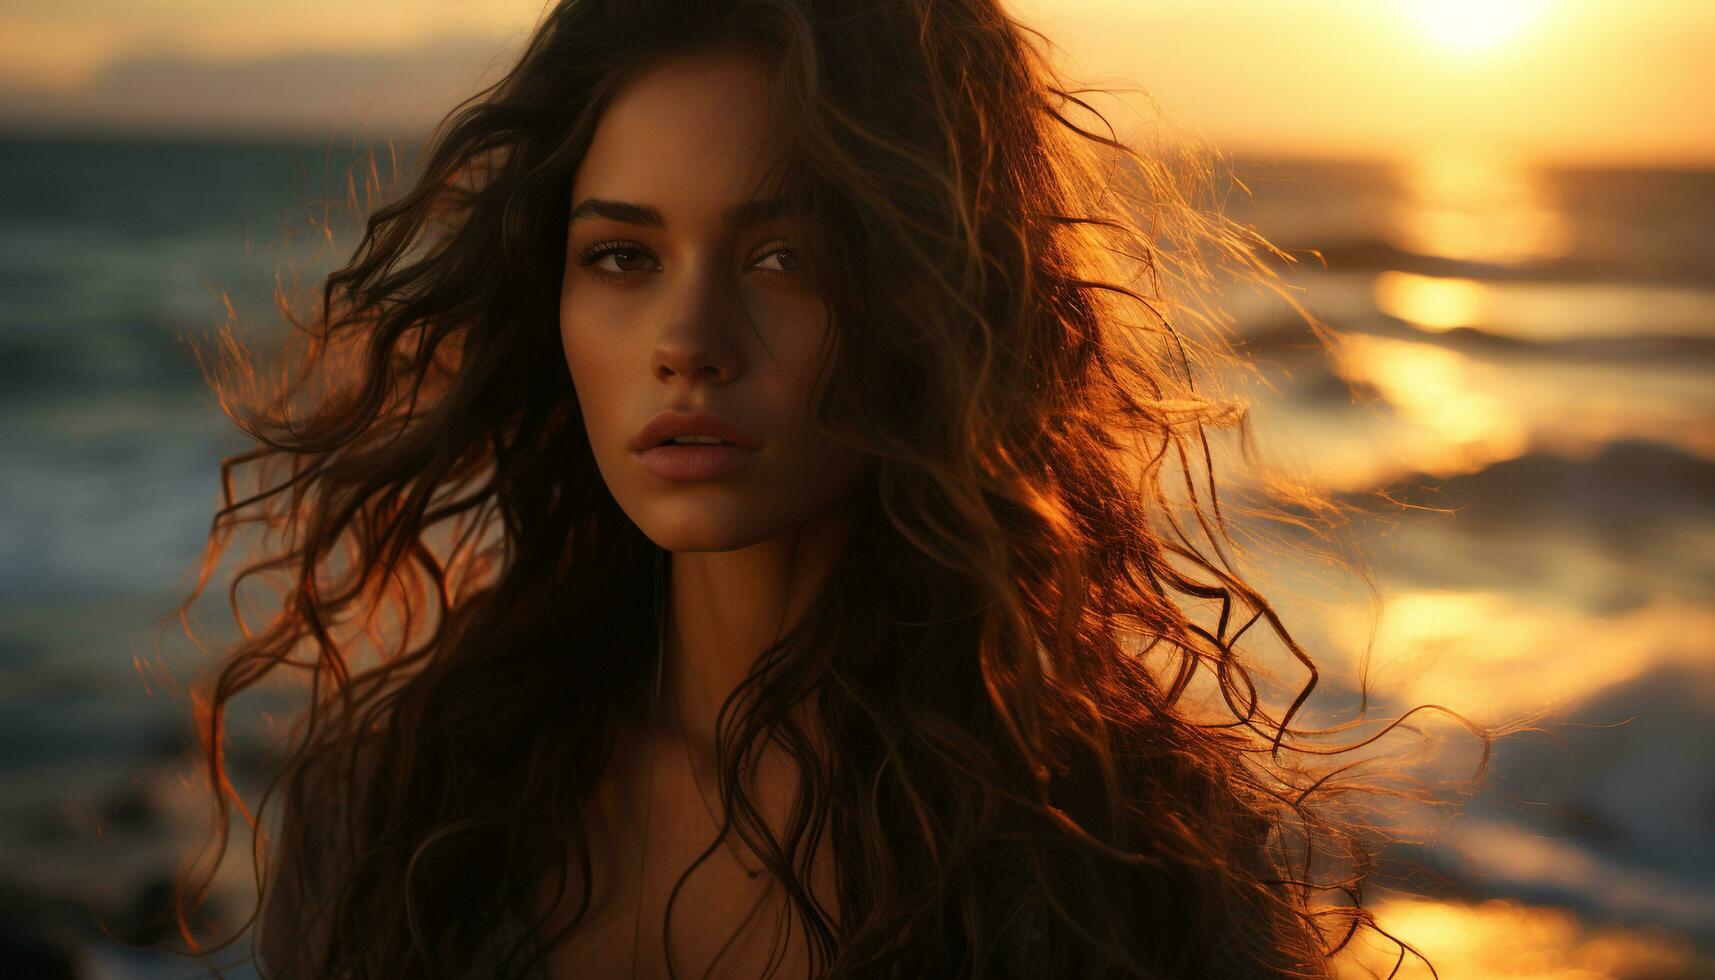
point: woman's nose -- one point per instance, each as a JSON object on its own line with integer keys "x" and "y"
{"x": 699, "y": 339}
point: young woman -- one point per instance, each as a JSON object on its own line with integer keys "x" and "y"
{"x": 748, "y": 450}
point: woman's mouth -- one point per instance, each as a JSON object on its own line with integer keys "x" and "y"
{"x": 693, "y": 458}
{"x": 693, "y": 445}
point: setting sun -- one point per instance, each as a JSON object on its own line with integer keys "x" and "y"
{"x": 1471, "y": 25}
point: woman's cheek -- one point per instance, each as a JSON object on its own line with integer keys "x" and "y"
{"x": 594, "y": 372}
{"x": 798, "y": 328}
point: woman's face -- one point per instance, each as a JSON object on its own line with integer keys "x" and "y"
{"x": 683, "y": 295}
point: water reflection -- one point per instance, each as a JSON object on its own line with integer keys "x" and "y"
{"x": 1469, "y": 649}
{"x": 1449, "y": 408}
{"x": 1548, "y": 311}
{"x": 1432, "y": 302}
{"x": 1504, "y": 940}
{"x": 1478, "y": 207}
{"x": 1455, "y": 417}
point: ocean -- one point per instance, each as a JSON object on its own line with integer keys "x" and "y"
{"x": 1532, "y": 350}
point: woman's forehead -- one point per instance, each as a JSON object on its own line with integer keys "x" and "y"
{"x": 691, "y": 138}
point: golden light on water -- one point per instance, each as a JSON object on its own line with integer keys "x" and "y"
{"x": 1503, "y": 940}
{"x": 1478, "y": 207}
{"x": 1545, "y": 310}
{"x": 1472, "y": 25}
{"x": 1467, "y": 649}
{"x": 1426, "y": 408}
{"x": 1433, "y": 302}
{"x": 1454, "y": 420}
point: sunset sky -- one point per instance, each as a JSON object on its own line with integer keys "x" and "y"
{"x": 1545, "y": 80}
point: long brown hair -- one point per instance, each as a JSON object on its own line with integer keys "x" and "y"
{"x": 1002, "y": 660}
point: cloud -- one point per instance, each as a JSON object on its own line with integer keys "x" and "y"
{"x": 313, "y": 91}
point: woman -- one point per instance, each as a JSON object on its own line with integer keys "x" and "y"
{"x": 749, "y": 439}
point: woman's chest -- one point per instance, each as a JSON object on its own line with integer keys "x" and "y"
{"x": 660, "y": 886}
{"x": 710, "y": 934}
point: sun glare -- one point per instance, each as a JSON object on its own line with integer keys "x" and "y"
{"x": 1471, "y": 25}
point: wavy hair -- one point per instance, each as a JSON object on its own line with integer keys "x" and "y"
{"x": 1005, "y": 658}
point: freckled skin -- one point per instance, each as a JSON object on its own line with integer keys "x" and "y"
{"x": 701, "y": 317}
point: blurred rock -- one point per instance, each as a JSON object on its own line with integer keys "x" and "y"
{"x": 131, "y": 810}
{"x": 147, "y": 919}
{"x": 28, "y": 955}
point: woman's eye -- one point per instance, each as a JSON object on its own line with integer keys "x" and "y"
{"x": 785, "y": 260}
{"x": 617, "y": 259}
{"x": 624, "y": 260}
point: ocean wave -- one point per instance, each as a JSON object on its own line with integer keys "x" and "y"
{"x": 1364, "y": 254}
{"x": 1625, "y": 481}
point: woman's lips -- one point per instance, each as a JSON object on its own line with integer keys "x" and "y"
{"x": 705, "y": 461}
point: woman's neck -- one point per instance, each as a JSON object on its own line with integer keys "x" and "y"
{"x": 726, "y": 607}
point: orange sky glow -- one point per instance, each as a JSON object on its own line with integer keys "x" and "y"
{"x": 1582, "y": 81}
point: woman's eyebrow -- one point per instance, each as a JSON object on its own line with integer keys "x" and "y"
{"x": 738, "y": 215}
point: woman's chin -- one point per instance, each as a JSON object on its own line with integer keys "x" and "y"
{"x": 688, "y": 529}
